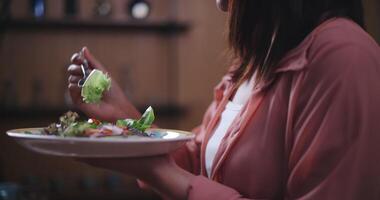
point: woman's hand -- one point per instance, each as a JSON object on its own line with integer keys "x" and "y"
{"x": 160, "y": 172}
{"x": 114, "y": 104}
{"x": 140, "y": 167}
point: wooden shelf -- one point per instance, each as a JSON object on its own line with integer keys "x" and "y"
{"x": 164, "y": 27}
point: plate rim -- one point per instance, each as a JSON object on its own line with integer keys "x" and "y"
{"x": 14, "y": 133}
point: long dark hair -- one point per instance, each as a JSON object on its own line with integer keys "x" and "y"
{"x": 253, "y": 23}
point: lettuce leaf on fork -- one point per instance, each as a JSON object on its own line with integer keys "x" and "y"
{"x": 94, "y": 86}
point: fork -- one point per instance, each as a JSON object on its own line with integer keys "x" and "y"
{"x": 84, "y": 67}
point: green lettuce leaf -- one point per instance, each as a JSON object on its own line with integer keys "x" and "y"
{"x": 77, "y": 129}
{"x": 147, "y": 118}
{"x": 94, "y": 87}
{"x": 124, "y": 123}
{"x": 142, "y": 124}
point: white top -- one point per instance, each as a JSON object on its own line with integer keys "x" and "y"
{"x": 230, "y": 112}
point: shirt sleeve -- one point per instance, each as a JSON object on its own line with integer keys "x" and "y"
{"x": 334, "y": 141}
{"x": 336, "y": 127}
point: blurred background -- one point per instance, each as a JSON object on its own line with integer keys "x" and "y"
{"x": 165, "y": 53}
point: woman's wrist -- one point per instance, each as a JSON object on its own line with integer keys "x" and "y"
{"x": 130, "y": 110}
{"x": 127, "y": 108}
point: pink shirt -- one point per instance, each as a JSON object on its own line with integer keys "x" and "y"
{"x": 311, "y": 133}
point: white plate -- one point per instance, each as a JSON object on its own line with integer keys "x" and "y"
{"x": 133, "y": 146}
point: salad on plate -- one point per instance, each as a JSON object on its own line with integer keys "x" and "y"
{"x": 69, "y": 125}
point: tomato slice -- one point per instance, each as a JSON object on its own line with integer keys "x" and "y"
{"x": 94, "y": 121}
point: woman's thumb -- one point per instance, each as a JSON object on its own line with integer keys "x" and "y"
{"x": 92, "y": 61}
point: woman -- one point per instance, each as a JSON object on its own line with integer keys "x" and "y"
{"x": 296, "y": 117}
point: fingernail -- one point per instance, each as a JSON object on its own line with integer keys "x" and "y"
{"x": 71, "y": 67}
{"x": 73, "y": 57}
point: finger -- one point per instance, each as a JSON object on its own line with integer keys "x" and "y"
{"x": 74, "y": 79}
{"x": 93, "y": 62}
{"x": 76, "y": 59}
{"x": 75, "y": 70}
{"x": 74, "y": 91}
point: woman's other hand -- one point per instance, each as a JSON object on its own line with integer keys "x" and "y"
{"x": 114, "y": 104}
